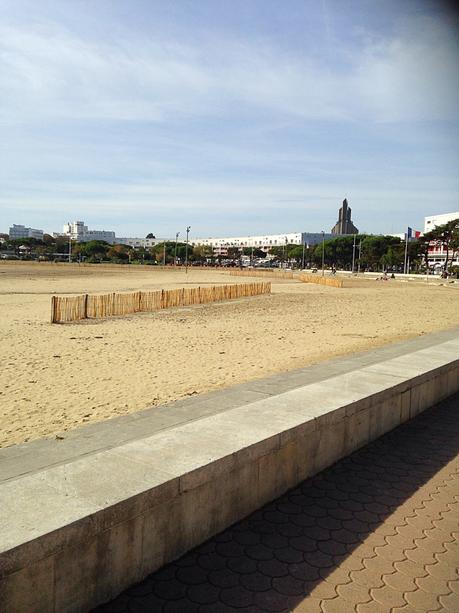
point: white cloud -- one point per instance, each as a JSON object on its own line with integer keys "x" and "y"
{"x": 46, "y": 71}
{"x": 413, "y": 76}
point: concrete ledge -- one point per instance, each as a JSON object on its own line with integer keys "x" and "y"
{"x": 77, "y": 533}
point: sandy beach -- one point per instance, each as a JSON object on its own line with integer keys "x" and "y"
{"x": 56, "y": 377}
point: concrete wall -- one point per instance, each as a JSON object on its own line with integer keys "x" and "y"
{"x": 77, "y": 534}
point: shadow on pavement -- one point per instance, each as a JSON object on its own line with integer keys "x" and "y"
{"x": 275, "y": 558}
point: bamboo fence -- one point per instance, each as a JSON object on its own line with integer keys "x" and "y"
{"x": 66, "y": 309}
{"x": 284, "y": 274}
{"x": 278, "y": 274}
{"x": 321, "y": 280}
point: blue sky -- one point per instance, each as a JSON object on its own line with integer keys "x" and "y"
{"x": 236, "y": 117}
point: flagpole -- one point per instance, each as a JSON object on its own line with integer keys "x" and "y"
{"x": 406, "y": 252}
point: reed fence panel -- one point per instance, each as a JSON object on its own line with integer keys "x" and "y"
{"x": 319, "y": 280}
{"x": 279, "y": 274}
{"x": 90, "y": 306}
{"x": 69, "y": 308}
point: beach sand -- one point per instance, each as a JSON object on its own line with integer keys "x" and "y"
{"x": 56, "y": 377}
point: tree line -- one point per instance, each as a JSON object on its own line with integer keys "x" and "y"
{"x": 97, "y": 251}
{"x": 366, "y": 251}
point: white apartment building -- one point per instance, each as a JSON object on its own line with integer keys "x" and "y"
{"x": 141, "y": 242}
{"x": 18, "y": 231}
{"x": 437, "y": 252}
{"x": 433, "y": 221}
{"x": 263, "y": 242}
{"x": 80, "y": 233}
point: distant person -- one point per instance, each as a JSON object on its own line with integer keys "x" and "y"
{"x": 392, "y": 276}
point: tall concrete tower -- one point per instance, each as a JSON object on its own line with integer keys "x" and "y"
{"x": 344, "y": 224}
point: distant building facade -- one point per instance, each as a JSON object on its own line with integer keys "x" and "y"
{"x": 344, "y": 224}
{"x": 18, "y": 231}
{"x": 79, "y": 232}
{"x": 437, "y": 252}
{"x": 431, "y": 222}
{"x": 146, "y": 243}
{"x": 265, "y": 242}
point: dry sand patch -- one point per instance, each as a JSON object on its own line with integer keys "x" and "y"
{"x": 56, "y": 377}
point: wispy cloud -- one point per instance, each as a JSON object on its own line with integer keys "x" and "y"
{"x": 48, "y": 71}
{"x": 230, "y": 126}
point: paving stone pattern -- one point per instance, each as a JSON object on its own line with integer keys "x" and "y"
{"x": 375, "y": 533}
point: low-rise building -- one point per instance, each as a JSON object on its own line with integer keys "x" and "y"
{"x": 79, "y": 232}
{"x": 437, "y": 251}
{"x": 264, "y": 242}
{"x": 137, "y": 243}
{"x": 432, "y": 221}
{"x": 19, "y": 231}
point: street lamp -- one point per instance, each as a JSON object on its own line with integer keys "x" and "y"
{"x": 304, "y": 253}
{"x": 323, "y": 253}
{"x": 175, "y": 251}
{"x": 188, "y": 228}
{"x": 353, "y": 255}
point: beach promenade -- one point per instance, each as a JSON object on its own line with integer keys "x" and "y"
{"x": 375, "y": 533}
{"x": 317, "y": 459}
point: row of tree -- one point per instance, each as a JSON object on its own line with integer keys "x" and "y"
{"x": 57, "y": 248}
{"x": 365, "y": 251}
{"x": 375, "y": 252}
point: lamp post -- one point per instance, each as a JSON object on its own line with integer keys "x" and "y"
{"x": 353, "y": 255}
{"x": 323, "y": 253}
{"x": 360, "y": 255}
{"x": 175, "y": 251}
{"x": 188, "y": 228}
{"x": 164, "y": 253}
{"x": 70, "y": 248}
{"x": 302, "y": 260}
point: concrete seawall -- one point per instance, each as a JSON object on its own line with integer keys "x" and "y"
{"x": 80, "y": 523}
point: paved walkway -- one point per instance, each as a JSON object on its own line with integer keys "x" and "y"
{"x": 376, "y": 533}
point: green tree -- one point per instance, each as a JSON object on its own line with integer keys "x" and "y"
{"x": 202, "y": 253}
{"x": 447, "y": 235}
{"x": 254, "y": 252}
{"x": 295, "y": 253}
{"x": 171, "y": 251}
{"x": 119, "y": 253}
{"x": 375, "y": 250}
{"x": 96, "y": 250}
{"x": 281, "y": 252}
{"x": 48, "y": 239}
